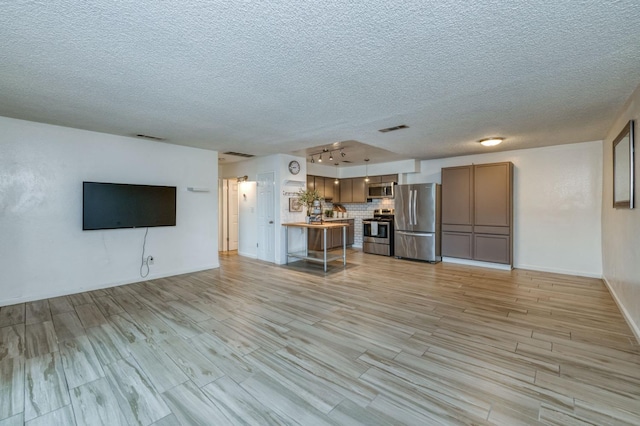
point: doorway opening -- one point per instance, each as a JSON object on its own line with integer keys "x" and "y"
{"x": 266, "y": 217}
{"x": 228, "y": 214}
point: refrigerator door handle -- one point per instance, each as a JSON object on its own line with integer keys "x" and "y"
{"x": 415, "y": 202}
{"x": 409, "y": 207}
{"x": 416, "y": 234}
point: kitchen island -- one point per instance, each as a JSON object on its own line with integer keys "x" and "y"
{"x": 312, "y": 255}
{"x": 315, "y": 237}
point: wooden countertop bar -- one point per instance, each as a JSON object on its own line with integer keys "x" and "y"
{"x": 316, "y": 225}
{"x": 321, "y": 257}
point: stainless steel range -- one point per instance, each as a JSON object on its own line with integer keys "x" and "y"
{"x": 378, "y": 233}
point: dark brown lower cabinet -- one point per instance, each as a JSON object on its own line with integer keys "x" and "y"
{"x": 492, "y": 248}
{"x": 483, "y": 247}
{"x": 316, "y": 239}
{"x": 457, "y": 244}
{"x": 334, "y": 236}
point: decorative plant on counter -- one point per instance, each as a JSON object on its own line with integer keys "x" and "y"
{"x": 307, "y": 197}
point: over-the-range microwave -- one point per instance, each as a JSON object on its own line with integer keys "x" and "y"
{"x": 380, "y": 190}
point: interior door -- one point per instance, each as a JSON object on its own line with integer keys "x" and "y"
{"x": 233, "y": 215}
{"x": 222, "y": 193}
{"x": 266, "y": 217}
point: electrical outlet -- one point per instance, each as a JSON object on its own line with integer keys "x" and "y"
{"x": 150, "y": 260}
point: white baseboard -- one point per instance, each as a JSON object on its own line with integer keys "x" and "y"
{"x": 49, "y": 295}
{"x": 468, "y": 262}
{"x": 560, "y": 271}
{"x": 245, "y": 254}
{"x": 635, "y": 328}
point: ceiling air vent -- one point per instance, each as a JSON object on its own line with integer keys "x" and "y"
{"x": 153, "y": 138}
{"x": 239, "y": 154}
{"x": 391, "y": 129}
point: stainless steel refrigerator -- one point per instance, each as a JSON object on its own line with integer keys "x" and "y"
{"x": 417, "y": 222}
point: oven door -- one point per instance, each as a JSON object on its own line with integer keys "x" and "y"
{"x": 375, "y": 231}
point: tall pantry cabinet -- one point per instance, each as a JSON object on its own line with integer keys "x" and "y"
{"x": 477, "y": 212}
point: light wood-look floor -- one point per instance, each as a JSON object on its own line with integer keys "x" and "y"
{"x": 382, "y": 341}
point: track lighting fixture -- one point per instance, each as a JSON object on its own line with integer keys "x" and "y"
{"x": 326, "y": 150}
{"x": 366, "y": 173}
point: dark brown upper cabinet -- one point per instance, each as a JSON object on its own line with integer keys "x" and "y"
{"x": 457, "y": 195}
{"x": 492, "y": 190}
{"x": 348, "y": 190}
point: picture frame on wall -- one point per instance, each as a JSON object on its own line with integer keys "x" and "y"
{"x": 623, "y": 168}
{"x": 294, "y": 205}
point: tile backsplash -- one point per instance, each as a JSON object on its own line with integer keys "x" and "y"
{"x": 360, "y": 211}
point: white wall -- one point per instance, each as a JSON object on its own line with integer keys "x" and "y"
{"x": 557, "y": 196}
{"x": 247, "y": 219}
{"x": 621, "y": 227}
{"x": 43, "y": 250}
{"x": 285, "y": 182}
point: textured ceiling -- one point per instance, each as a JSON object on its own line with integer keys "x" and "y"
{"x": 277, "y": 76}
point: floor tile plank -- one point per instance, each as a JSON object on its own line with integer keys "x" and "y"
{"x": 37, "y": 311}
{"x": 46, "y": 385}
{"x": 194, "y": 364}
{"x": 108, "y": 344}
{"x": 12, "y": 341}
{"x": 192, "y": 407}
{"x": 285, "y": 402}
{"x": 139, "y": 401}
{"x": 11, "y": 315}
{"x": 95, "y": 404}
{"x": 159, "y": 367}
{"x": 60, "y": 417}
{"x": 59, "y": 305}
{"x": 108, "y": 306}
{"x": 68, "y": 326}
{"x": 80, "y": 362}
{"x": 90, "y": 315}
{"x": 238, "y": 406}
{"x": 11, "y": 386}
{"x": 40, "y": 339}
{"x": 224, "y": 357}
{"x": 17, "y": 420}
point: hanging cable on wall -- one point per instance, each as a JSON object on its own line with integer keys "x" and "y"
{"x": 143, "y": 263}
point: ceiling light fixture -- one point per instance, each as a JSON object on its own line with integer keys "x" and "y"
{"x": 312, "y": 159}
{"x": 366, "y": 173}
{"x": 153, "y": 138}
{"x": 320, "y": 159}
{"x": 491, "y": 141}
{"x": 394, "y": 128}
{"x": 336, "y": 181}
{"x": 342, "y": 154}
{"x": 331, "y": 156}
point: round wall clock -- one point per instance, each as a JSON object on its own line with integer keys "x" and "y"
{"x": 294, "y": 167}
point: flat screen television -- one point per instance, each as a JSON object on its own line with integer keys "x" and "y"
{"x": 117, "y": 205}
